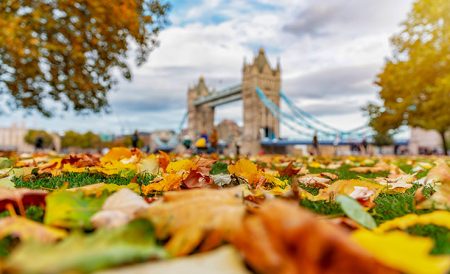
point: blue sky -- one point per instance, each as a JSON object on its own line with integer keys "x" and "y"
{"x": 330, "y": 52}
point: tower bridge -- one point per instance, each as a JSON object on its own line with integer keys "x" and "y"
{"x": 261, "y": 94}
{"x": 259, "y": 73}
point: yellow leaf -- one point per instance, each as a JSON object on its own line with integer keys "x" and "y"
{"x": 315, "y": 165}
{"x": 169, "y": 182}
{"x": 25, "y": 229}
{"x": 401, "y": 251}
{"x": 439, "y": 218}
{"x": 116, "y": 167}
{"x": 247, "y": 170}
{"x": 350, "y": 188}
{"x": 117, "y": 154}
{"x": 180, "y": 165}
{"x": 187, "y": 217}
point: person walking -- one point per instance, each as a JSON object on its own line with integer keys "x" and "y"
{"x": 39, "y": 143}
{"x": 315, "y": 143}
{"x": 135, "y": 139}
{"x": 364, "y": 146}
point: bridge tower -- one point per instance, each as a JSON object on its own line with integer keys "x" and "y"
{"x": 258, "y": 121}
{"x": 200, "y": 118}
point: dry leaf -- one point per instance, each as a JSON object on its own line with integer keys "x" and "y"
{"x": 187, "y": 217}
{"x": 118, "y": 209}
{"x": 283, "y": 238}
{"x": 25, "y": 229}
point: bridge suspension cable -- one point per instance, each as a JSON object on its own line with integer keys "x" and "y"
{"x": 306, "y": 115}
{"x": 183, "y": 121}
{"x": 306, "y": 120}
{"x": 287, "y": 119}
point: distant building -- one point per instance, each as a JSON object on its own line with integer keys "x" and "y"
{"x": 424, "y": 141}
{"x": 228, "y": 131}
{"x": 13, "y": 138}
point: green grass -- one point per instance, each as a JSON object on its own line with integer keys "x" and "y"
{"x": 440, "y": 235}
{"x": 78, "y": 180}
{"x": 344, "y": 173}
{"x": 35, "y": 213}
{"x": 322, "y": 207}
{"x": 390, "y": 206}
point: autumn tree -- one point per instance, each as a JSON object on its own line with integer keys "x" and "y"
{"x": 32, "y": 135}
{"x": 415, "y": 82}
{"x": 71, "y": 51}
{"x": 73, "y": 139}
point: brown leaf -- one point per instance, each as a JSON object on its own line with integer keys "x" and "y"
{"x": 283, "y": 238}
{"x": 290, "y": 170}
{"x": 187, "y": 217}
{"x": 21, "y": 197}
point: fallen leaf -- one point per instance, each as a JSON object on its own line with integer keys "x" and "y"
{"x": 224, "y": 260}
{"x": 188, "y": 217}
{"x": 196, "y": 179}
{"x": 364, "y": 192}
{"x": 119, "y": 209}
{"x": 149, "y": 165}
{"x": 408, "y": 254}
{"x": 100, "y": 188}
{"x": 354, "y": 210}
{"x": 5, "y": 163}
{"x": 283, "y": 238}
{"x": 378, "y": 167}
{"x": 438, "y": 218}
{"x": 399, "y": 183}
{"x": 21, "y": 197}
{"x": 290, "y": 170}
{"x": 168, "y": 183}
{"x": 25, "y": 230}
{"x": 222, "y": 179}
{"x": 71, "y": 209}
{"x": 117, "y": 154}
{"x": 438, "y": 176}
{"x": 314, "y": 180}
{"x": 80, "y": 253}
{"x": 248, "y": 170}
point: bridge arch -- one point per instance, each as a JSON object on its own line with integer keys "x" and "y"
{"x": 259, "y": 122}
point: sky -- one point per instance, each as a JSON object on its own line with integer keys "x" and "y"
{"x": 330, "y": 53}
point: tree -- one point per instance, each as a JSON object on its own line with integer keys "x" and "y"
{"x": 32, "y": 135}
{"x": 415, "y": 81}
{"x": 69, "y": 51}
{"x": 77, "y": 140}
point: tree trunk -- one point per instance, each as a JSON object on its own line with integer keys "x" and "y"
{"x": 444, "y": 142}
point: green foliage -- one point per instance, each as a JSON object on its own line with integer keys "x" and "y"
{"x": 67, "y": 51}
{"x": 104, "y": 248}
{"x": 355, "y": 211}
{"x": 383, "y": 139}
{"x": 219, "y": 168}
{"x": 32, "y": 135}
{"x": 80, "y": 140}
{"x": 415, "y": 82}
{"x": 71, "y": 209}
